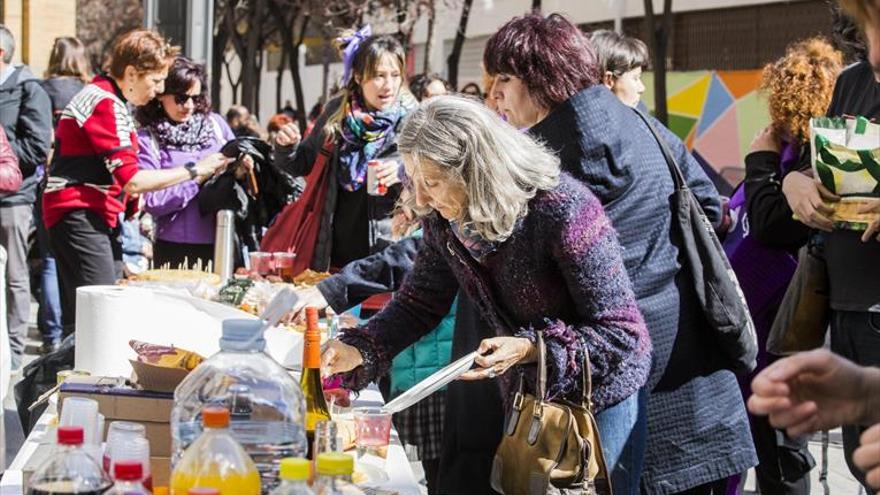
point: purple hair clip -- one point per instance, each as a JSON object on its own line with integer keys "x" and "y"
{"x": 352, "y": 44}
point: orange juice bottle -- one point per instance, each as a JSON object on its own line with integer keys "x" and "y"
{"x": 216, "y": 460}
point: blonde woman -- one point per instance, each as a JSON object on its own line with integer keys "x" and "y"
{"x": 528, "y": 244}
{"x": 361, "y": 127}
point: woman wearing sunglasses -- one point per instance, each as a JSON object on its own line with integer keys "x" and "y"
{"x": 178, "y": 129}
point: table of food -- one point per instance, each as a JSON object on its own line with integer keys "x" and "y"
{"x": 188, "y": 384}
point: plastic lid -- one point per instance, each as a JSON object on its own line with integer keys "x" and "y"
{"x": 215, "y": 417}
{"x": 294, "y": 469}
{"x": 128, "y": 471}
{"x": 335, "y": 464}
{"x": 242, "y": 335}
{"x": 203, "y": 491}
{"x": 160, "y": 490}
{"x": 70, "y": 435}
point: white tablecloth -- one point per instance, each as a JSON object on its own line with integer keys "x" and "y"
{"x": 401, "y": 479}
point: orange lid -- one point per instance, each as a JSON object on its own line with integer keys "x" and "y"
{"x": 160, "y": 490}
{"x": 215, "y": 417}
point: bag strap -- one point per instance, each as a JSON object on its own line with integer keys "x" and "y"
{"x": 542, "y": 366}
{"x": 587, "y": 377}
{"x": 674, "y": 170}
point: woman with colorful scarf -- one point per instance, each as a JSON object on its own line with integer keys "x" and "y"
{"x": 177, "y": 129}
{"x": 357, "y": 130}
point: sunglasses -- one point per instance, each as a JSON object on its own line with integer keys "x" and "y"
{"x": 182, "y": 99}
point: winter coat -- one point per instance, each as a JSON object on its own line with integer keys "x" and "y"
{"x": 697, "y": 425}
{"x": 26, "y": 116}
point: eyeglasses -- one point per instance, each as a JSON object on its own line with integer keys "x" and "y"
{"x": 182, "y": 99}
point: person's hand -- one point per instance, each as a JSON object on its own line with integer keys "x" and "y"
{"x": 496, "y": 355}
{"x": 245, "y": 167}
{"x": 309, "y": 296}
{"x": 339, "y": 358}
{"x": 807, "y": 198}
{"x": 813, "y": 391}
{"x": 765, "y": 140}
{"x": 211, "y": 164}
{"x": 867, "y": 456}
{"x": 387, "y": 172}
{"x": 874, "y": 226}
{"x": 288, "y": 135}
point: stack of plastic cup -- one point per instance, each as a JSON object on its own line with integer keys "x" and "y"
{"x": 121, "y": 432}
{"x": 82, "y": 412}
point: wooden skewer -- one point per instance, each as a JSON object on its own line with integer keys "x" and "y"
{"x": 253, "y": 178}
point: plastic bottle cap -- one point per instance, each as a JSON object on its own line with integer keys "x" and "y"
{"x": 160, "y": 490}
{"x": 242, "y": 335}
{"x": 215, "y": 417}
{"x": 203, "y": 491}
{"x": 128, "y": 471}
{"x": 335, "y": 464}
{"x": 294, "y": 469}
{"x": 70, "y": 435}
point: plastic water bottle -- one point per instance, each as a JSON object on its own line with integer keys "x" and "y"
{"x": 266, "y": 404}
{"x": 334, "y": 475}
{"x": 294, "y": 477}
{"x": 70, "y": 469}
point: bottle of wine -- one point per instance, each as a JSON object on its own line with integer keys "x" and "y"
{"x": 316, "y": 406}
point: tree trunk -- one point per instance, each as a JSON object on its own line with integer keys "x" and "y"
{"x": 258, "y": 71}
{"x": 295, "y": 74}
{"x": 279, "y": 78}
{"x": 326, "y": 70}
{"x": 249, "y": 63}
{"x": 430, "y": 66}
{"x": 217, "y": 56}
{"x": 458, "y": 44}
{"x": 659, "y": 42}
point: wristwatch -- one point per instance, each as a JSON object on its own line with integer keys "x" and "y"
{"x": 191, "y": 168}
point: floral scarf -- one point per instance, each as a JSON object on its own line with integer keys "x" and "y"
{"x": 364, "y": 135}
{"x": 478, "y": 247}
{"x": 195, "y": 134}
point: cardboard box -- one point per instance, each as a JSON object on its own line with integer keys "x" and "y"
{"x": 160, "y": 468}
{"x": 119, "y": 402}
{"x": 157, "y": 378}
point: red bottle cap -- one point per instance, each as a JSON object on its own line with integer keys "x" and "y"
{"x": 215, "y": 417}
{"x": 128, "y": 471}
{"x": 70, "y": 435}
{"x": 203, "y": 491}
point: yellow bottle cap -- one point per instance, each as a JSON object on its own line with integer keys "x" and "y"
{"x": 294, "y": 469}
{"x": 335, "y": 464}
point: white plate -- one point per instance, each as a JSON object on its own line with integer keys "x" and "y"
{"x": 431, "y": 384}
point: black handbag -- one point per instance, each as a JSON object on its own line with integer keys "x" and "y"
{"x": 713, "y": 279}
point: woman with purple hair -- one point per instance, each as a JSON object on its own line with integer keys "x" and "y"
{"x": 689, "y": 425}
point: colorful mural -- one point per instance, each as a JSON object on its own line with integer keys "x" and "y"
{"x": 716, "y": 113}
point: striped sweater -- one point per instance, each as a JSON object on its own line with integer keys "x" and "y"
{"x": 95, "y": 155}
{"x": 560, "y": 272}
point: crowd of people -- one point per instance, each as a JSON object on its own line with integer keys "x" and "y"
{"x": 526, "y": 217}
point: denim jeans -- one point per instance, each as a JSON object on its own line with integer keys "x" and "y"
{"x": 49, "y": 314}
{"x": 624, "y": 430}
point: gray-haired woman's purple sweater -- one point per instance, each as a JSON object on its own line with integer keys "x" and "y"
{"x": 560, "y": 272}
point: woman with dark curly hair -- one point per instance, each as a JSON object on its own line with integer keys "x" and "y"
{"x": 798, "y": 86}
{"x": 178, "y": 129}
{"x": 695, "y": 433}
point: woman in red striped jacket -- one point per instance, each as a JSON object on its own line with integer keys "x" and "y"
{"x": 94, "y": 171}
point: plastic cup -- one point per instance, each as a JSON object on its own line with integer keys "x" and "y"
{"x": 261, "y": 262}
{"x": 82, "y": 412}
{"x": 373, "y": 431}
{"x": 284, "y": 265}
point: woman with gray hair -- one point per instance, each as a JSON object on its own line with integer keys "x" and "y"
{"x": 529, "y": 244}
